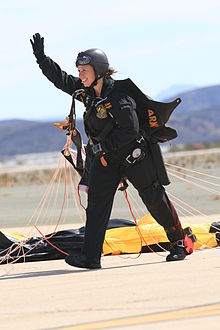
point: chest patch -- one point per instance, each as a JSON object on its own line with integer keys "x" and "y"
{"x": 102, "y": 110}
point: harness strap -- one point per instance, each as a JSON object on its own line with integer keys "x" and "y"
{"x": 109, "y": 126}
{"x": 72, "y": 115}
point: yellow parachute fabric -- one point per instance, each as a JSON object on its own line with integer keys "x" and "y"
{"x": 129, "y": 240}
{"x": 20, "y": 237}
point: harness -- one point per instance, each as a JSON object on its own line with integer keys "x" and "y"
{"x": 152, "y": 116}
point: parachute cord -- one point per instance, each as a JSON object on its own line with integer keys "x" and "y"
{"x": 40, "y": 205}
{"x": 47, "y": 240}
{"x": 64, "y": 200}
{"x": 193, "y": 183}
{"x": 17, "y": 247}
{"x": 62, "y": 208}
{"x": 136, "y": 205}
{"x": 129, "y": 194}
{"x": 186, "y": 204}
{"x": 138, "y": 229}
{"x": 195, "y": 178}
{"x": 43, "y": 212}
{"x": 193, "y": 171}
{"x": 47, "y": 193}
{"x": 21, "y": 248}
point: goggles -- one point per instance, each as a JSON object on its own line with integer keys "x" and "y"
{"x": 83, "y": 60}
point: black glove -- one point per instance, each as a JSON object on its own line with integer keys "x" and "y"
{"x": 38, "y": 46}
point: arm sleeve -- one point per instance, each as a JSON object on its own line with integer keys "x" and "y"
{"x": 67, "y": 83}
{"x": 127, "y": 127}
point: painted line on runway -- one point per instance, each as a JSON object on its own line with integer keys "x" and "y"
{"x": 181, "y": 314}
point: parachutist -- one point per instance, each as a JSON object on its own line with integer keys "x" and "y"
{"x": 126, "y": 126}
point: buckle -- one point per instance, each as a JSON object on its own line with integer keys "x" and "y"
{"x": 132, "y": 161}
{"x": 141, "y": 140}
{"x": 96, "y": 148}
{"x": 78, "y": 92}
{"x": 180, "y": 243}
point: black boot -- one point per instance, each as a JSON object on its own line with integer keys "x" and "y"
{"x": 183, "y": 247}
{"x": 79, "y": 260}
{"x": 177, "y": 251}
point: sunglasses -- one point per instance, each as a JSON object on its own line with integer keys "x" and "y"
{"x": 83, "y": 60}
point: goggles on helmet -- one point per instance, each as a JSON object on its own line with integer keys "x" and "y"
{"x": 83, "y": 60}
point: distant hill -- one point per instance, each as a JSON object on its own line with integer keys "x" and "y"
{"x": 203, "y": 126}
{"x": 196, "y": 120}
{"x": 199, "y": 99}
{"x": 173, "y": 90}
{"x": 23, "y": 137}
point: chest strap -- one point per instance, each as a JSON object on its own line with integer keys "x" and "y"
{"x": 107, "y": 129}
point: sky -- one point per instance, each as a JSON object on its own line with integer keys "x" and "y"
{"x": 161, "y": 45}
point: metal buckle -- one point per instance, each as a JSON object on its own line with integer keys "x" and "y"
{"x": 132, "y": 161}
{"x": 78, "y": 92}
{"x": 140, "y": 140}
{"x": 96, "y": 148}
{"x": 180, "y": 243}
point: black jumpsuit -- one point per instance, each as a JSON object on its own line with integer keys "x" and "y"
{"x": 118, "y": 144}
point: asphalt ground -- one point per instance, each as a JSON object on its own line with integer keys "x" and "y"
{"x": 129, "y": 292}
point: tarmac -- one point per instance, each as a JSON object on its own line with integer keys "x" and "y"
{"x": 129, "y": 292}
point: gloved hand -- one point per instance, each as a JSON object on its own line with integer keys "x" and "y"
{"x": 38, "y": 45}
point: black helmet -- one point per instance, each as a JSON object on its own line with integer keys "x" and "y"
{"x": 96, "y": 58}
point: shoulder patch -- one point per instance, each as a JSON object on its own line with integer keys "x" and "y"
{"x": 127, "y": 102}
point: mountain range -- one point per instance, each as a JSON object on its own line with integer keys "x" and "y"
{"x": 196, "y": 120}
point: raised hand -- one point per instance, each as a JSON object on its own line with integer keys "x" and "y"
{"x": 38, "y": 45}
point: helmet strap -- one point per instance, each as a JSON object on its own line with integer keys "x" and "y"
{"x": 96, "y": 81}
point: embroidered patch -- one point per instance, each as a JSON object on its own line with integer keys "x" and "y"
{"x": 102, "y": 110}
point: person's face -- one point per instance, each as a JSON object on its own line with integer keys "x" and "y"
{"x": 86, "y": 74}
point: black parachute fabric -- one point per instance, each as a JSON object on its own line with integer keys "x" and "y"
{"x": 152, "y": 115}
{"x": 37, "y": 249}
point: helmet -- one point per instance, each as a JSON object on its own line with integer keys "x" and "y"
{"x": 96, "y": 58}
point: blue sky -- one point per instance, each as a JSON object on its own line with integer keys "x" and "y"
{"x": 158, "y": 44}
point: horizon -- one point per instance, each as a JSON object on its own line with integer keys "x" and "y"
{"x": 169, "y": 95}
